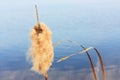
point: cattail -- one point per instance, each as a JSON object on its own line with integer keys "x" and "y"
{"x": 41, "y": 51}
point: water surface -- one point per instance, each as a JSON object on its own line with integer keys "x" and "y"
{"x": 89, "y": 24}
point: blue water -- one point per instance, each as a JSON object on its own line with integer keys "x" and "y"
{"x": 89, "y": 24}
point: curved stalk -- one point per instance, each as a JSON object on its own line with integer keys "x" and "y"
{"x": 101, "y": 62}
{"x": 100, "y": 59}
{"x": 91, "y": 64}
{"x": 99, "y": 56}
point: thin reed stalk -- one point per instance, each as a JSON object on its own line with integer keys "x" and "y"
{"x": 101, "y": 62}
{"x": 41, "y": 51}
{"x": 91, "y": 64}
{"x": 100, "y": 59}
{"x": 86, "y": 50}
{"x": 37, "y": 14}
{"x": 38, "y": 27}
{"x": 71, "y": 55}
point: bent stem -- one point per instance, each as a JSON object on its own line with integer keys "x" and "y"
{"x": 101, "y": 62}
{"x": 91, "y": 63}
{"x": 100, "y": 59}
{"x": 71, "y": 55}
{"x": 97, "y": 52}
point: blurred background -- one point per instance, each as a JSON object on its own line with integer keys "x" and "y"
{"x": 89, "y": 22}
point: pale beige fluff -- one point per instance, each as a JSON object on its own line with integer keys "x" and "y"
{"x": 41, "y": 51}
